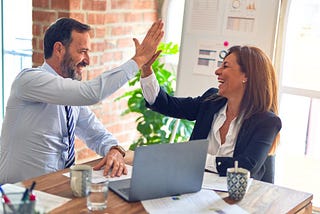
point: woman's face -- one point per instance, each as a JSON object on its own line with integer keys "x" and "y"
{"x": 231, "y": 80}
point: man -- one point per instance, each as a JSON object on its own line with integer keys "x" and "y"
{"x": 39, "y": 126}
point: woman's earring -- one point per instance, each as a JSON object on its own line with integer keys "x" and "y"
{"x": 244, "y": 81}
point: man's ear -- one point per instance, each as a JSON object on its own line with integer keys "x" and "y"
{"x": 58, "y": 48}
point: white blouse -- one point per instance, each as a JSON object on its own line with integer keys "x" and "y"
{"x": 150, "y": 89}
{"x": 215, "y": 148}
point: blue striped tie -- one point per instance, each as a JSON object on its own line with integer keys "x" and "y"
{"x": 71, "y": 127}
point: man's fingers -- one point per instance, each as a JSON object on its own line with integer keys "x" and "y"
{"x": 100, "y": 164}
{"x": 118, "y": 169}
{"x": 155, "y": 32}
{"x": 136, "y": 42}
{"x": 156, "y": 26}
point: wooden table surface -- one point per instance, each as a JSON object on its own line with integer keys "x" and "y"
{"x": 261, "y": 197}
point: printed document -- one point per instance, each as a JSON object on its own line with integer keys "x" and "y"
{"x": 204, "y": 201}
{"x": 97, "y": 175}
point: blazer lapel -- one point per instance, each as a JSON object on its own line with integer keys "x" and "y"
{"x": 203, "y": 124}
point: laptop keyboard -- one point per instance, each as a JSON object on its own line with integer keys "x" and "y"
{"x": 125, "y": 190}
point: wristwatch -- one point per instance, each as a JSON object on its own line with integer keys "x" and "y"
{"x": 120, "y": 149}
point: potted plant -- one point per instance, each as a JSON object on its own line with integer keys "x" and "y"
{"x": 154, "y": 127}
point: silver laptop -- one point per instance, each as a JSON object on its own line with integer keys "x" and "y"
{"x": 163, "y": 170}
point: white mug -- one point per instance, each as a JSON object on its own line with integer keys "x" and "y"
{"x": 80, "y": 179}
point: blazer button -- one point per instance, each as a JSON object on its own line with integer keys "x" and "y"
{"x": 219, "y": 163}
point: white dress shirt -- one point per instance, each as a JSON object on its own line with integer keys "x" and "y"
{"x": 34, "y": 138}
{"x": 150, "y": 89}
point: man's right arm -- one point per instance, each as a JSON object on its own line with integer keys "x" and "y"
{"x": 39, "y": 85}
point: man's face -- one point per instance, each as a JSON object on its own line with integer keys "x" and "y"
{"x": 76, "y": 57}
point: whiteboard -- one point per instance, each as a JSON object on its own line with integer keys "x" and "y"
{"x": 210, "y": 27}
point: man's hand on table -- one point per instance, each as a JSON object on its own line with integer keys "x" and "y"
{"x": 115, "y": 161}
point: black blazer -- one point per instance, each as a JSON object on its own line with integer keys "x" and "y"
{"x": 255, "y": 136}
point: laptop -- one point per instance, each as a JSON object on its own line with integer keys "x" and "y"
{"x": 163, "y": 170}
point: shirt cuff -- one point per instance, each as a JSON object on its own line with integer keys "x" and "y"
{"x": 132, "y": 68}
{"x": 150, "y": 88}
{"x": 211, "y": 163}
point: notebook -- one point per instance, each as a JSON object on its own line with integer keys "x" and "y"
{"x": 163, "y": 170}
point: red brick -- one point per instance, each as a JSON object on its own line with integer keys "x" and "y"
{"x": 107, "y": 57}
{"x": 121, "y": 4}
{"x": 121, "y": 30}
{"x": 96, "y": 18}
{"x": 40, "y": 4}
{"x": 99, "y": 32}
{"x": 93, "y": 60}
{"x": 45, "y": 16}
{"x": 117, "y": 55}
{"x": 98, "y": 47}
{"x": 62, "y": 5}
{"x": 150, "y": 16}
{"x": 95, "y": 5}
{"x": 75, "y": 4}
{"x": 110, "y": 44}
{"x": 37, "y": 59}
{"x": 133, "y": 17}
{"x": 124, "y": 43}
{"x": 113, "y": 18}
{"x": 143, "y": 4}
{"x": 35, "y": 29}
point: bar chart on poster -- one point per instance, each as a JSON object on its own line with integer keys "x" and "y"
{"x": 210, "y": 27}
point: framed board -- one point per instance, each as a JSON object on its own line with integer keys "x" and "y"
{"x": 210, "y": 27}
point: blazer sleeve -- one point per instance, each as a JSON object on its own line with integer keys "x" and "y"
{"x": 180, "y": 107}
{"x": 253, "y": 144}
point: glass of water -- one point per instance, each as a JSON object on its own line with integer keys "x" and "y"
{"x": 97, "y": 198}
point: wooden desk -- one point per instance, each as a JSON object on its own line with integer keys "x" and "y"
{"x": 261, "y": 198}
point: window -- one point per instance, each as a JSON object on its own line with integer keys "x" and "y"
{"x": 1, "y": 67}
{"x": 16, "y": 40}
{"x": 299, "y": 152}
{"x": 173, "y": 18}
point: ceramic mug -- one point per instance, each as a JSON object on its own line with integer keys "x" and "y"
{"x": 80, "y": 179}
{"x": 237, "y": 182}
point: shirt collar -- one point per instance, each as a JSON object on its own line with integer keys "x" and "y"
{"x": 48, "y": 68}
{"x": 223, "y": 111}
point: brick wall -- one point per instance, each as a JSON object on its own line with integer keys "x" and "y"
{"x": 114, "y": 23}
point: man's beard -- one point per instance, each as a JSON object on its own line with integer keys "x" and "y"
{"x": 68, "y": 68}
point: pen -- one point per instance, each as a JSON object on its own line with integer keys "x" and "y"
{"x": 28, "y": 191}
{"x": 26, "y": 196}
{"x": 23, "y": 199}
{"x": 32, "y": 197}
{"x": 7, "y": 200}
{"x": 32, "y": 186}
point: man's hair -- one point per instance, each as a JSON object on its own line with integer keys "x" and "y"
{"x": 60, "y": 31}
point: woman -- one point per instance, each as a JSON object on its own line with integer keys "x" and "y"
{"x": 239, "y": 118}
